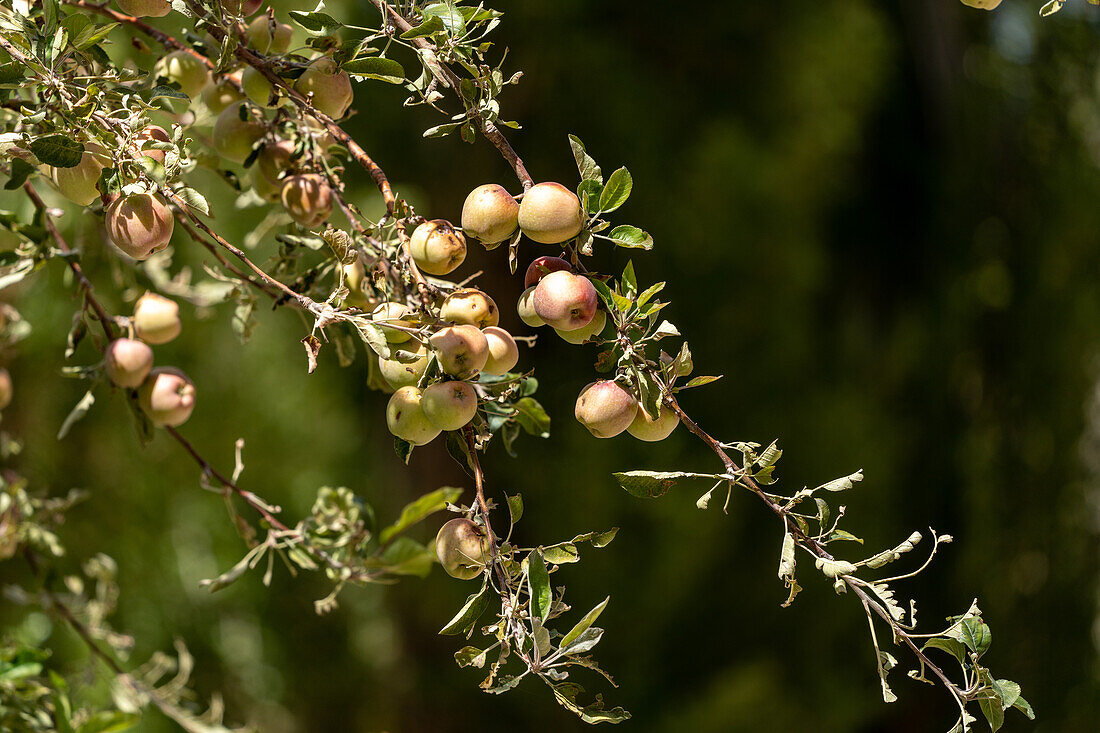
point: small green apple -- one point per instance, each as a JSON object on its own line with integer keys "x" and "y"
{"x": 525, "y": 309}
{"x": 437, "y": 248}
{"x": 156, "y": 319}
{"x": 463, "y": 549}
{"x": 503, "y": 352}
{"x": 651, "y": 431}
{"x": 330, "y": 86}
{"x": 233, "y": 138}
{"x": 393, "y": 313}
{"x": 449, "y": 405}
{"x": 405, "y": 417}
{"x": 403, "y": 374}
{"x": 582, "y": 334}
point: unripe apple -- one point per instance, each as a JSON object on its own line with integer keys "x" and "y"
{"x": 463, "y": 549}
{"x": 139, "y": 224}
{"x": 274, "y": 158}
{"x": 550, "y": 213}
{"x": 307, "y": 198}
{"x": 145, "y": 8}
{"x": 128, "y": 362}
{"x": 184, "y": 69}
{"x": 355, "y": 279}
{"x": 402, "y": 374}
{"x": 152, "y": 134}
{"x": 525, "y": 309}
{"x": 406, "y": 419}
{"x": 490, "y": 214}
{"x": 472, "y": 306}
{"x": 223, "y": 93}
{"x": 260, "y": 37}
{"x": 330, "y": 86}
{"x": 582, "y": 334}
{"x": 503, "y": 352}
{"x": 258, "y": 88}
{"x": 78, "y": 183}
{"x": 156, "y": 319}
{"x": 233, "y": 137}
{"x": 449, "y": 405}
{"x": 393, "y": 313}
{"x": 6, "y": 390}
{"x": 265, "y": 188}
{"x": 540, "y": 267}
{"x": 605, "y": 408}
{"x": 436, "y": 247}
{"x": 462, "y": 351}
{"x": 167, "y": 397}
{"x": 651, "y": 431}
{"x": 565, "y": 301}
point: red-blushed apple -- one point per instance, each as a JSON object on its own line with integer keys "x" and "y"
{"x": 436, "y": 247}
{"x": 152, "y": 134}
{"x": 582, "y": 334}
{"x": 470, "y": 305}
{"x": 503, "y": 352}
{"x": 462, "y": 350}
{"x": 651, "y": 431}
{"x": 463, "y": 548}
{"x": 540, "y": 267}
{"x": 330, "y": 86}
{"x": 6, "y": 388}
{"x": 405, "y": 417}
{"x": 167, "y": 397}
{"x": 128, "y": 362}
{"x": 139, "y": 224}
{"x": 490, "y": 214}
{"x": 606, "y": 408}
{"x": 449, "y": 405}
{"x": 550, "y": 213}
{"x": 307, "y": 198}
{"x": 565, "y": 301}
{"x": 156, "y": 319}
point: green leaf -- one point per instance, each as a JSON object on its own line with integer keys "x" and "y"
{"x": 90, "y": 35}
{"x": 532, "y": 417}
{"x": 617, "y": 190}
{"x": 952, "y": 647}
{"x": 470, "y": 656}
{"x": 20, "y": 170}
{"x": 630, "y": 237}
{"x": 1024, "y": 707}
{"x": 1009, "y": 692}
{"x": 515, "y": 507}
{"x": 468, "y": 615}
{"x": 589, "y": 192}
{"x": 194, "y": 200}
{"x": 566, "y": 694}
{"x": 843, "y": 483}
{"x": 406, "y": 556}
{"x": 451, "y": 17}
{"x": 583, "y": 624}
{"x": 413, "y": 512}
{"x": 561, "y": 554}
{"x": 109, "y": 721}
{"x": 586, "y": 164}
{"x": 433, "y": 24}
{"x": 319, "y": 24}
{"x": 163, "y": 90}
{"x": 654, "y": 484}
{"x": 539, "y": 584}
{"x": 993, "y": 711}
{"x": 975, "y": 633}
{"x": 79, "y": 411}
{"x": 60, "y": 151}
{"x": 377, "y": 67}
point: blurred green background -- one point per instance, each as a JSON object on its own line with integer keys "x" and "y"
{"x": 878, "y": 220}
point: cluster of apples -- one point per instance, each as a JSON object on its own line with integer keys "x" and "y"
{"x": 166, "y": 395}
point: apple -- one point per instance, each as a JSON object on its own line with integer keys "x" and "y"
{"x": 244, "y": 7}
{"x": 156, "y": 319}
{"x": 223, "y": 93}
{"x": 565, "y": 301}
{"x": 582, "y": 334}
{"x": 503, "y": 352}
{"x": 331, "y": 87}
{"x": 463, "y": 548}
{"x": 152, "y": 134}
{"x": 145, "y": 8}
{"x": 258, "y": 88}
{"x": 449, "y": 405}
{"x": 265, "y": 188}
{"x": 307, "y": 198}
{"x": 462, "y": 350}
{"x": 470, "y": 305}
{"x": 128, "y": 362}
{"x": 651, "y": 431}
{"x": 393, "y": 313}
{"x": 274, "y": 158}
{"x": 233, "y": 137}
{"x": 262, "y": 38}
{"x": 605, "y": 408}
{"x": 167, "y": 397}
{"x": 540, "y": 267}
{"x": 436, "y": 247}
{"x": 6, "y": 390}
{"x": 525, "y": 309}
{"x": 406, "y": 419}
{"x": 355, "y": 279}
{"x": 550, "y": 213}
{"x": 139, "y": 224}
{"x": 78, "y": 184}
{"x": 402, "y": 374}
{"x": 490, "y": 214}
{"x": 185, "y": 69}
